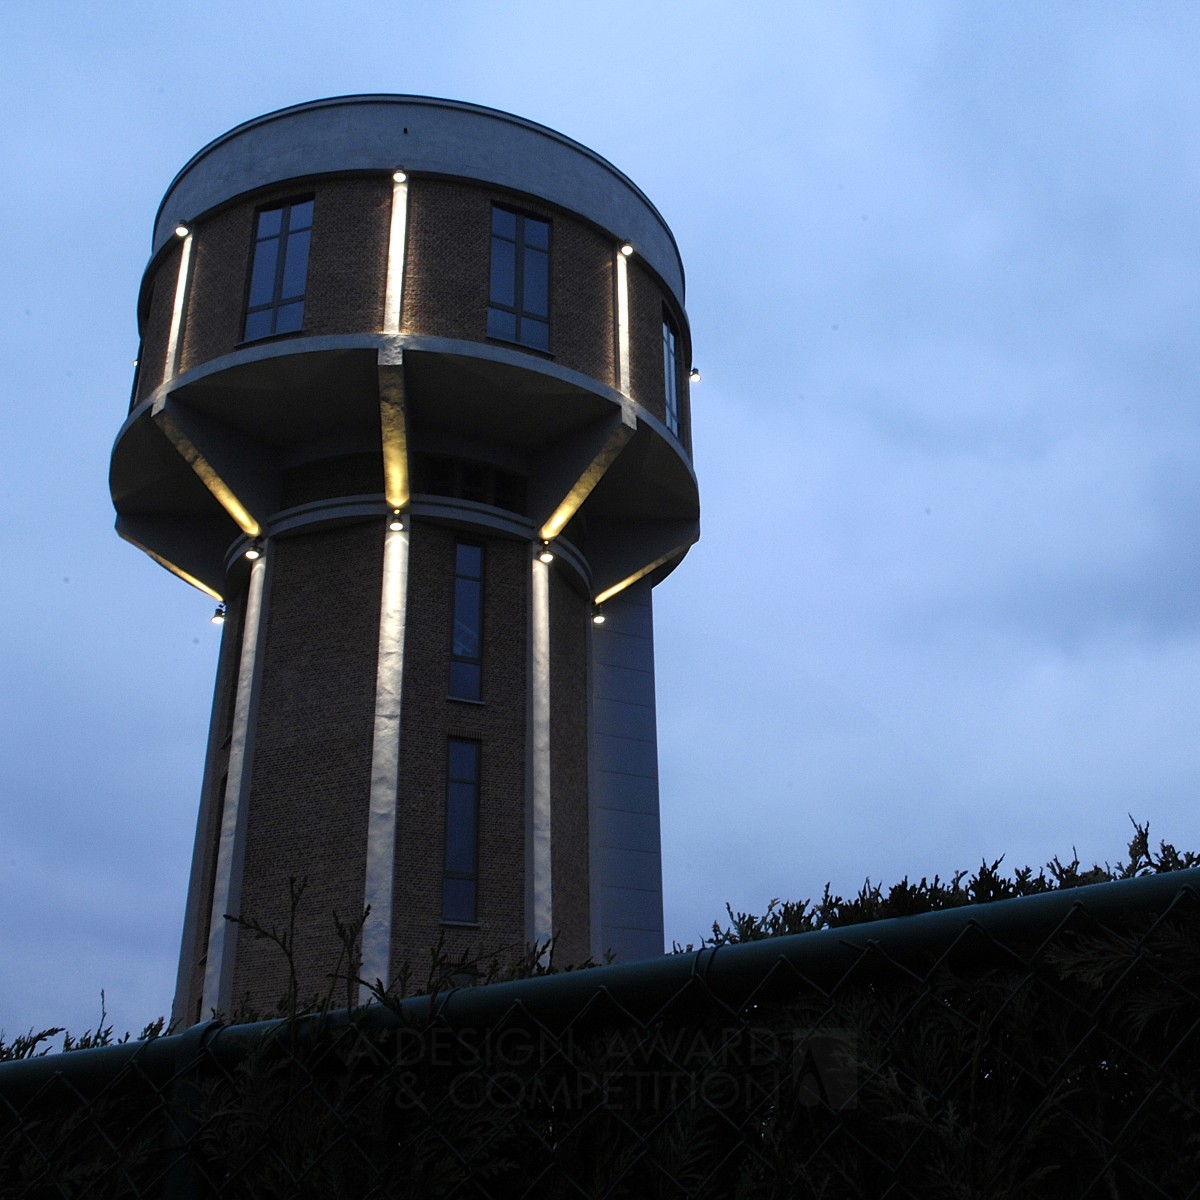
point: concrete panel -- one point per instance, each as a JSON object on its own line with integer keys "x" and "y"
{"x": 622, "y": 829}
{"x": 627, "y": 756}
{"x": 423, "y": 135}
{"x": 633, "y": 908}
{"x": 636, "y": 944}
{"x": 622, "y": 684}
{"x": 612, "y": 718}
{"x": 625, "y": 793}
{"x": 640, "y": 870}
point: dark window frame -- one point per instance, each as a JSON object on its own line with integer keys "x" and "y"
{"x": 460, "y": 881}
{"x": 466, "y": 670}
{"x": 511, "y": 320}
{"x": 671, "y": 373}
{"x": 295, "y": 230}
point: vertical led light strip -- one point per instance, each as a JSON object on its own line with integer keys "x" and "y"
{"x": 231, "y": 844}
{"x": 385, "y": 767}
{"x": 174, "y": 341}
{"x": 623, "y": 322}
{"x": 543, "y": 913}
{"x": 394, "y": 296}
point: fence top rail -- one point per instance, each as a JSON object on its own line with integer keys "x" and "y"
{"x": 731, "y": 974}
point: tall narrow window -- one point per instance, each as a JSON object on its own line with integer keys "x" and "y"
{"x": 276, "y": 300}
{"x": 671, "y": 376}
{"x": 460, "y": 872}
{"x": 519, "y": 296}
{"x": 466, "y": 652}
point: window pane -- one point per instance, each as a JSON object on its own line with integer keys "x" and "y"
{"x": 262, "y": 277}
{"x": 458, "y": 900}
{"x": 537, "y": 233}
{"x": 468, "y": 560}
{"x": 269, "y": 222}
{"x": 290, "y": 317}
{"x": 466, "y": 681}
{"x": 504, "y": 223}
{"x": 464, "y": 759}
{"x": 258, "y": 325}
{"x": 504, "y": 273}
{"x": 502, "y": 325}
{"x": 295, "y": 265}
{"x": 468, "y": 594}
{"x": 535, "y": 299}
{"x": 535, "y": 334}
{"x": 301, "y": 215}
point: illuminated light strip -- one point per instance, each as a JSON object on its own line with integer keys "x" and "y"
{"x": 394, "y": 295}
{"x": 207, "y": 473}
{"x": 174, "y": 341}
{"x": 385, "y": 769}
{"x": 227, "y": 883}
{"x": 394, "y": 430}
{"x": 630, "y": 580}
{"x": 571, "y": 503}
{"x": 179, "y": 572}
{"x": 542, "y": 923}
{"x": 623, "y": 323}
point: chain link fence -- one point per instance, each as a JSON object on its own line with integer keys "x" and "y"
{"x": 1043, "y": 1046}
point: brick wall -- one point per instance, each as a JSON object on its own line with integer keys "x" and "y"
{"x": 429, "y": 719}
{"x": 312, "y": 761}
{"x": 448, "y": 264}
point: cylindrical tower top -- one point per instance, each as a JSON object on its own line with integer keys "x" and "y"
{"x": 421, "y": 134}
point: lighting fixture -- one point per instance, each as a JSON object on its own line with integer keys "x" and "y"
{"x": 545, "y": 554}
{"x": 399, "y": 176}
{"x": 181, "y": 230}
{"x": 218, "y": 617}
{"x": 597, "y": 615}
{"x": 694, "y": 375}
{"x": 626, "y": 248}
{"x": 396, "y": 521}
{"x": 253, "y": 551}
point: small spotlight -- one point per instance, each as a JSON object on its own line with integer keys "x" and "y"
{"x": 399, "y": 176}
{"x": 396, "y": 521}
{"x": 694, "y": 375}
{"x": 597, "y": 615}
{"x": 181, "y": 230}
{"x": 626, "y": 248}
{"x": 253, "y": 551}
{"x": 545, "y": 554}
{"x": 218, "y": 617}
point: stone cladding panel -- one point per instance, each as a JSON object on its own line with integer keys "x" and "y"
{"x": 429, "y": 719}
{"x": 569, "y": 615}
{"x": 310, "y": 790}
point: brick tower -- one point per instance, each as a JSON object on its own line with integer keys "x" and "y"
{"x": 412, "y": 406}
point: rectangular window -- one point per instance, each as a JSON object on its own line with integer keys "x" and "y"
{"x": 671, "y": 376}
{"x": 460, "y": 873}
{"x": 519, "y": 294}
{"x": 275, "y": 303}
{"x": 466, "y": 651}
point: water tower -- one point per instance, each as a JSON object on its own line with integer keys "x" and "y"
{"x": 412, "y": 407}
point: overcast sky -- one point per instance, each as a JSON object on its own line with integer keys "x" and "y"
{"x": 942, "y": 279}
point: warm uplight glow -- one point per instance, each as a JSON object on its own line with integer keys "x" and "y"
{"x": 597, "y": 615}
{"x": 218, "y": 617}
{"x": 399, "y": 176}
{"x": 694, "y": 375}
{"x": 181, "y": 230}
{"x": 394, "y": 289}
{"x": 253, "y": 551}
{"x": 627, "y": 248}
{"x": 623, "y": 323}
{"x": 174, "y": 344}
{"x": 396, "y": 524}
{"x": 545, "y": 555}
